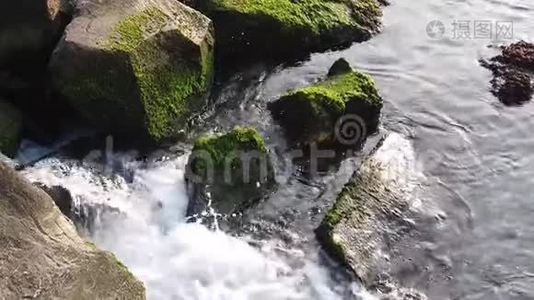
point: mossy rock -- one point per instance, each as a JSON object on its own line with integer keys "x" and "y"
{"x": 361, "y": 228}
{"x": 284, "y": 28}
{"x": 136, "y": 68}
{"x": 326, "y": 112}
{"x": 233, "y": 170}
{"x": 10, "y": 129}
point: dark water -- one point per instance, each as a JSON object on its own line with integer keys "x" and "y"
{"x": 476, "y": 152}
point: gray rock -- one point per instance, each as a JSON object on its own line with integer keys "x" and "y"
{"x": 367, "y": 219}
{"x": 43, "y": 256}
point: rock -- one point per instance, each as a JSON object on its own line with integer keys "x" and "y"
{"x": 42, "y": 255}
{"x": 28, "y": 29}
{"x": 342, "y": 110}
{"x": 135, "y": 68}
{"x": 277, "y": 29}
{"x": 512, "y": 87}
{"x": 362, "y": 227}
{"x": 85, "y": 215}
{"x": 10, "y": 129}
{"x": 61, "y": 197}
{"x": 232, "y": 170}
{"x": 520, "y": 54}
{"x": 340, "y": 66}
{"x": 513, "y": 81}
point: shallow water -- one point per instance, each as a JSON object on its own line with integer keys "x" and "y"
{"x": 475, "y": 151}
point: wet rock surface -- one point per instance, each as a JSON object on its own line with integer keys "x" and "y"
{"x": 513, "y": 73}
{"x": 255, "y": 29}
{"x": 228, "y": 173}
{"x": 341, "y": 110}
{"x": 43, "y": 256}
{"x": 368, "y": 229}
{"x": 135, "y": 68}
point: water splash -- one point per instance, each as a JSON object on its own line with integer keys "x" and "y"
{"x": 180, "y": 260}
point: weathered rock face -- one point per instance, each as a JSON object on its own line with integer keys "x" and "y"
{"x": 342, "y": 109}
{"x": 233, "y": 170}
{"x": 260, "y": 28}
{"x": 10, "y": 128}
{"x": 84, "y": 215}
{"x": 136, "y": 68}
{"x": 61, "y": 196}
{"x": 43, "y": 257}
{"x": 361, "y": 228}
{"x": 513, "y": 73}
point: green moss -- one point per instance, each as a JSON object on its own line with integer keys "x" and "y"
{"x": 287, "y": 28}
{"x": 223, "y": 147}
{"x": 309, "y": 114}
{"x": 139, "y": 80}
{"x": 10, "y": 129}
{"x": 334, "y": 93}
{"x": 316, "y": 15}
{"x": 170, "y": 87}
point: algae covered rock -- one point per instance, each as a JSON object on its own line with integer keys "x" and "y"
{"x": 42, "y": 255}
{"x": 232, "y": 171}
{"x": 278, "y": 28}
{"x": 342, "y": 109}
{"x": 513, "y": 69}
{"x": 135, "y": 68}
{"x": 10, "y": 128}
{"x": 361, "y": 228}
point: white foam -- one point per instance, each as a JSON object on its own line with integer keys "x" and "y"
{"x": 177, "y": 260}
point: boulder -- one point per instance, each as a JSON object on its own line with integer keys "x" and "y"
{"x": 233, "y": 171}
{"x": 285, "y": 28}
{"x": 367, "y": 218}
{"x": 343, "y": 109}
{"x": 10, "y": 128}
{"x": 42, "y": 255}
{"x": 513, "y": 69}
{"x": 135, "y": 68}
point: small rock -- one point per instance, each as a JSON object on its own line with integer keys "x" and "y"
{"x": 224, "y": 170}
{"x": 513, "y": 82}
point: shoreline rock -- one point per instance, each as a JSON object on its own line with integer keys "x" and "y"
{"x": 136, "y": 68}
{"x": 341, "y": 110}
{"x": 232, "y": 172}
{"x": 513, "y": 73}
{"x": 368, "y": 215}
{"x": 43, "y": 256}
{"x": 285, "y": 28}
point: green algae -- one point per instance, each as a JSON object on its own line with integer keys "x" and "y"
{"x": 278, "y": 28}
{"x": 146, "y": 77}
{"x": 222, "y": 148}
{"x": 167, "y": 86}
{"x": 309, "y": 114}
